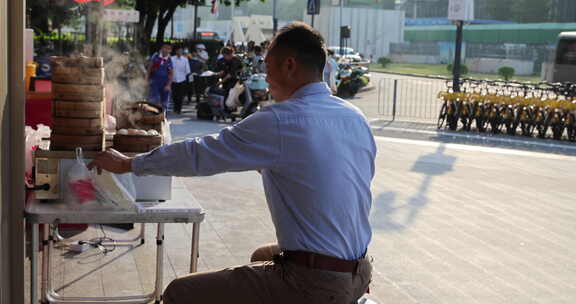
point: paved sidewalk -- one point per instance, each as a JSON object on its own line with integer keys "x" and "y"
{"x": 452, "y": 223}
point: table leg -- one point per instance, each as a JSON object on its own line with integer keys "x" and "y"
{"x": 34, "y": 265}
{"x": 52, "y": 235}
{"x": 142, "y": 234}
{"x": 195, "y": 245}
{"x": 45, "y": 264}
{"x": 159, "y": 262}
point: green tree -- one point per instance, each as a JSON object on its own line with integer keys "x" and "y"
{"x": 47, "y": 16}
{"x": 161, "y": 12}
{"x": 523, "y": 11}
{"x": 506, "y": 72}
{"x": 531, "y": 11}
{"x": 499, "y": 10}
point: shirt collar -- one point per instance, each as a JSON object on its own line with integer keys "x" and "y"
{"x": 313, "y": 88}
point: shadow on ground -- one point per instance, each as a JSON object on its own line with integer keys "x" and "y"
{"x": 392, "y": 215}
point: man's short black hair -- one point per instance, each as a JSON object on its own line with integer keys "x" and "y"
{"x": 304, "y": 43}
{"x": 257, "y": 49}
{"x": 227, "y": 50}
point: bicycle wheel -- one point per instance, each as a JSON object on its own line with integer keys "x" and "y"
{"x": 454, "y": 117}
{"x": 557, "y": 131}
{"x": 442, "y": 116}
{"x": 571, "y": 127}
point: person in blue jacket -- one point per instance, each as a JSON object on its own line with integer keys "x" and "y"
{"x": 160, "y": 75}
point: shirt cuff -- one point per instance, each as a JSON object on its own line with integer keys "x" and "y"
{"x": 140, "y": 165}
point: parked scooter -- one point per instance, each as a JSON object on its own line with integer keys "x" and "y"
{"x": 351, "y": 80}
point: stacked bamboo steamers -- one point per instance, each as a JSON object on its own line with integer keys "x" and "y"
{"x": 79, "y": 107}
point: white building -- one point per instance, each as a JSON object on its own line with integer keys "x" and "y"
{"x": 372, "y": 30}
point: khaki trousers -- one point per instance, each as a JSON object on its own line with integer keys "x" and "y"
{"x": 266, "y": 282}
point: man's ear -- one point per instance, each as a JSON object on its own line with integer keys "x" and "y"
{"x": 290, "y": 64}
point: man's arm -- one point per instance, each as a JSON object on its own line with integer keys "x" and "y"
{"x": 252, "y": 144}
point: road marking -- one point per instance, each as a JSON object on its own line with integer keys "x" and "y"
{"x": 473, "y": 148}
{"x": 480, "y": 137}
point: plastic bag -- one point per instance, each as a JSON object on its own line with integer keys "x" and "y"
{"x": 116, "y": 190}
{"x": 88, "y": 190}
{"x": 80, "y": 191}
{"x": 32, "y": 141}
{"x": 233, "y": 100}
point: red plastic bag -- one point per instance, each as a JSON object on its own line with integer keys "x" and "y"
{"x": 80, "y": 185}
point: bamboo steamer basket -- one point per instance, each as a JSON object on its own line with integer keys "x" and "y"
{"x": 63, "y": 130}
{"x": 74, "y": 109}
{"x": 136, "y": 143}
{"x": 78, "y": 118}
{"x": 86, "y": 123}
{"x": 71, "y": 142}
{"x": 78, "y": 92}
{"x": 78, "y": 61}
{"x": 78, "y": 75}
{"x": 141, "y": 115}
{"x": 151, "y": 117}
{"x": 67, "y": 105}
{"x": 151, "y": 113}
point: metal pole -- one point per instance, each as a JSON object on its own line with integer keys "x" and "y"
{"x": 34, "y": 264}
{"x": 159, "y": 262}
{"x": 195, "y": 20}
{"x": 394, "y": 99}
{"x": 274, "y": 19}
{"x": 312, "y": 20}
{"x": 341, "y": 9}
{"x": 457, "y": 56}
{"x": 194, "y": 249}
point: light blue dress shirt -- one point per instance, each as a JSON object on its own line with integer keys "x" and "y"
{"x": 316, "y": 153}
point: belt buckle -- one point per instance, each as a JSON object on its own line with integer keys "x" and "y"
{"x": 279, "y": 258}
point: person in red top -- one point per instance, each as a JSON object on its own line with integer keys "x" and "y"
{"x": 160, "y": 75}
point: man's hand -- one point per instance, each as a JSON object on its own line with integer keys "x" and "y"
{"x": 168, "y": 88}
{"x": 112, "y": 161}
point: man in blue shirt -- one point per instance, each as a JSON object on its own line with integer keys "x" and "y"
{"x": 316, "y": 156}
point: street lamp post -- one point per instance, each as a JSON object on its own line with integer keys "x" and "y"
{"x": 341, "y": 39}
{"x": 458, "y": 56}
{"x": 274, "y": 19}
{"x": 195, "y": 20}
{"x": 459, "y": 11}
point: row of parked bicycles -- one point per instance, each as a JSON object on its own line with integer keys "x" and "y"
{"x": 513, "y": 108}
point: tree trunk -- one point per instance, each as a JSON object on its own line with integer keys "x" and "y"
{"x": 163, "y": 21}
{"x": 148, "y": 15}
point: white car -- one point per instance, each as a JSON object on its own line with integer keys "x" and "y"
{"x": 349, "y": 53}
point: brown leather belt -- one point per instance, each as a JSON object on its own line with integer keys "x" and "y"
{"x": 320, "y": 261}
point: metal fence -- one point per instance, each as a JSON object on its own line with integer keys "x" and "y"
{"x": 410, "y": 99}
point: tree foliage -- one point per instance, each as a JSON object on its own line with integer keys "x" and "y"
{"x": 522, "y": 11}
{"x": 46, "y": 16}
{"x": 161, "y": 12}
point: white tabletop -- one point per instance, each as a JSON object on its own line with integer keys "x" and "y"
{"x": 173, "y": 211}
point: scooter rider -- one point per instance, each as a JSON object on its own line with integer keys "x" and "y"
{"x": 228, "y": 67}
{"x": 257, "y": 60}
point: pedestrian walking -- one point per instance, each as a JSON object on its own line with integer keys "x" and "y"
{"x": 160, "y": 74}
{"x": 181, "y": 67}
